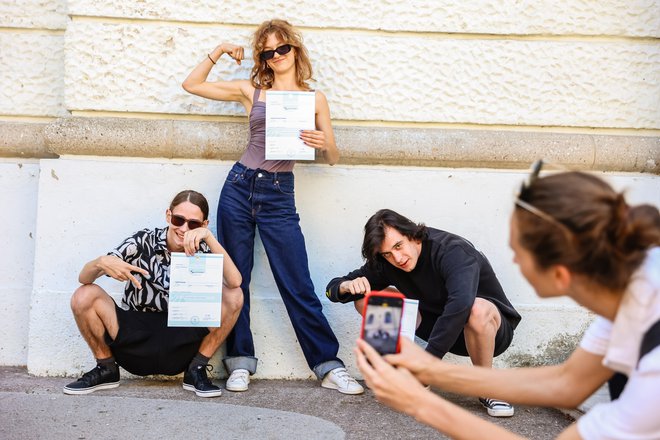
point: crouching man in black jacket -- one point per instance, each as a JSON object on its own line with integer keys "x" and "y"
{"x": 462, "y": 305}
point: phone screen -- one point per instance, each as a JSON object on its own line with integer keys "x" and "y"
{"x": 382, "y": 321}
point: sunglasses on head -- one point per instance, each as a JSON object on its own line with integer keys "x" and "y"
{"x": 178, "y": 220}
{"x": 269, "y": 54}
{"x": 527, "y": 183}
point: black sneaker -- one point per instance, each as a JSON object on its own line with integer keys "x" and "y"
{"x": 497, "y": 408}
{"x": 196, "y": 380}
{"x": 100, "y": 377}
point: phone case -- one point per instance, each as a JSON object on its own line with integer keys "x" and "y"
{"x": 388, "y": 333}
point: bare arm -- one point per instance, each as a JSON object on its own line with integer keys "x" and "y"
{"x": 112, "y": 266}
{"x": 323, "y": 138}
{"x": 237, "y": 90}
{"x": 399, "y": 389}
{"x": 565, "y": 385}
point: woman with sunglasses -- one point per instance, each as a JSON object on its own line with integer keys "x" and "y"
{"x": 259, "y": 193}
{"x": 572, "y": 235}
{"x": 135, "y": 336}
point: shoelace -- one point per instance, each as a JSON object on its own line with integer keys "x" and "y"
{"x": 91, "y": 375}
{"x": 240, "y": 375}
{"x": 343, "y": 375}
{"x": 202, "y": 369}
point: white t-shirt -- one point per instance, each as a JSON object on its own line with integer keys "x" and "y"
{"x": 636, "y": 413}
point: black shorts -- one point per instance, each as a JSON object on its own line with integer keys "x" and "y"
{"x": 502, "y": 339}
{"x": 146, "y": 345}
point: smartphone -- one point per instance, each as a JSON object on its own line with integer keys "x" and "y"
{"x": 381, "y": 320}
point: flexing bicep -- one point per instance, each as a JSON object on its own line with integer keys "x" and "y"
{"x": 236, "y": 91}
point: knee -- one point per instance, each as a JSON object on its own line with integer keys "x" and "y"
{"x": 359, "y": 306}
{"x": 83, "y": 298}
{"x": 483, "y": 318}
{"x": 232, "y": 299}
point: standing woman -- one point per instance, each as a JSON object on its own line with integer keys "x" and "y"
{"x": 260, "y": 193}
{"x": 572, "y": 235}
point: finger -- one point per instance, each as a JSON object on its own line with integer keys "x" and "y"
{"x": 375, "y": 359}
{"x": 139, "y": 270}
{"x": 134, "y": 280}
{"x": 364, "y": 366}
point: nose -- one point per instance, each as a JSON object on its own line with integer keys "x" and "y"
{"x": 398, "y": 257}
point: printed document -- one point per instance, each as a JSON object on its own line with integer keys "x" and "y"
{"x": 195, "y": 290}
{"x": 409, "y": 318}
{"x": 287, "y": 113}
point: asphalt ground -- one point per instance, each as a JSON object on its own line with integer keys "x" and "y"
{"x": 35, "y": 408}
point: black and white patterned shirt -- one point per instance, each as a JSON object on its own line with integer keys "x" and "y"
{"x": 147, "y": 249}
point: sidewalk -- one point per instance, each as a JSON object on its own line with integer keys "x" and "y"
{"x": 35, "y": 407}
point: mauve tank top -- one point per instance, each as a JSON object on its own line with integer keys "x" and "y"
{"x": 255, "y": 154}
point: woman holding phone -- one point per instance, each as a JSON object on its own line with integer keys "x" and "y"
{"x": 259, "y": 193}
{"x": 572, "y": 235}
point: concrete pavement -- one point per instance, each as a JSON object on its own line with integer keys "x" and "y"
{"x": 35, "y": 407}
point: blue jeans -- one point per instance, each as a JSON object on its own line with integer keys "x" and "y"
{"x": 256, "y": 198}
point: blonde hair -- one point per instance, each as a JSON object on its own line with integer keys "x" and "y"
{"x": 263, "y": 76}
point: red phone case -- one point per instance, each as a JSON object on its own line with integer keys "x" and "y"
{"x": 385, "y": 294}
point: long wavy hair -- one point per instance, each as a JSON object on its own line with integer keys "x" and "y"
{"x": 262, "y": 75}
{"x": 597, "y": 234}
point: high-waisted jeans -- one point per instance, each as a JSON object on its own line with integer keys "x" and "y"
{"x": 256, "y": 198}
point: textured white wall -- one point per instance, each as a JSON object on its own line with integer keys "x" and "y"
{"x": 31, "y": 74}
{"x": 18, "y": 198}
{"x": 631, "y": 18}
{"x": 88, "y": 206}
{"x": 411, "y": 78}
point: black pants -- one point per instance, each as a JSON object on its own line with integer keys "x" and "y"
{"x": 146, "y": 345}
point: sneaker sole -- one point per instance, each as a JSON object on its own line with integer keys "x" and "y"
{"x": 214, "y": 393}
{"x": 332, "y": 386}
{"x": 103, "y": 386}
{"x": 500, "y": 412}
{"x": 236, "y": 389}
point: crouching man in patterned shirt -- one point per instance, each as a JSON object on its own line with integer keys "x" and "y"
{"x": 135, "y": 336}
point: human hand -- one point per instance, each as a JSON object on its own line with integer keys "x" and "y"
{"x": 234, "y": 51}
{"x": 120, "y": 270}
{"x": 193, "y": 237}
{"x": 313, "y": 138}
{"x": 414, "y": 359}
{"x": 358, "y": 286}
{"x": 395, "y": 387}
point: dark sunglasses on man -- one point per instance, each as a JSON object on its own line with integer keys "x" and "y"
{"x": 269, "y": 54}
{"x": 178, "y": 221}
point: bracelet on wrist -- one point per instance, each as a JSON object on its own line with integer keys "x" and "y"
{"x": 210, "y": 59}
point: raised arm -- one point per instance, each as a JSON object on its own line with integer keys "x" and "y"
{"x": 236, "y": 90}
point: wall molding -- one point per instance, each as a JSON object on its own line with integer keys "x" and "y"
{"x": 179, "y": 139}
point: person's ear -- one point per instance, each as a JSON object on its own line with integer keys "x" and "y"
{"x": 168, "y": 215}
{"x": 562, "y": 277}
{"x": 206, "y": 223}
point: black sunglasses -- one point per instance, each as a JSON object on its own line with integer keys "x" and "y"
{"x": 269, "y": 54}
{"x": 533, "y": 176}
{"x": 178, "y": 220}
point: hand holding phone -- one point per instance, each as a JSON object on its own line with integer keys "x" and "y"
{"x": 381, "y": 320}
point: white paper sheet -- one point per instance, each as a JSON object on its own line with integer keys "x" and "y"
{"x": 195, "y": 290}
{"x": 409, "y": 318}
{"x": 286, "y": 114}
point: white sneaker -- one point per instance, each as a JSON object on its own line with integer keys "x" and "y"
{"x": 238, "y": 380}
{"x": 339, "y": 379}
{"x": 497, "y": 408}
